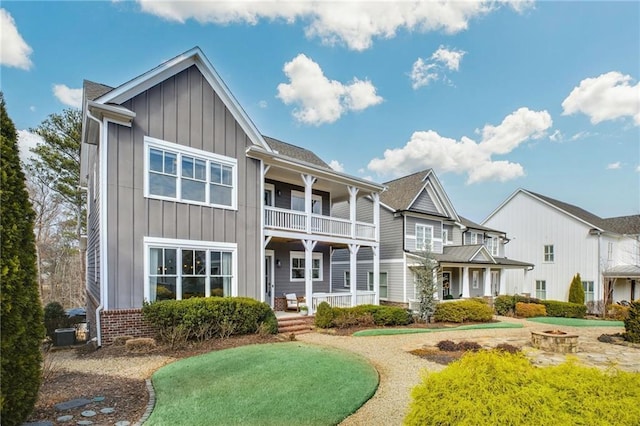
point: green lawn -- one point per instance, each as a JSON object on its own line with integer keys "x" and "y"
{"x": 392, "y": 331}
{"x": 576, "y": 322}
{"x": 271, "y": 384}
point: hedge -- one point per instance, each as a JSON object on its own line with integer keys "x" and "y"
{"x": 464, "y": 310}
{"x": 363, "y": 315}
{"x": 200, "y": 318}
{"x": 632, "y": 323}
{"x": 556, "y": 308}
{"x": 529, "y": 310}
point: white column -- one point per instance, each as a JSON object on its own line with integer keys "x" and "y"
{"x": 353, "y": 271}
{"x": 436, "y": 294}
{"x": 487, "y": 282}
{"x": 503, "y": 282}
{"x": 376, "y": 274}
{"x": 353, "y": 192}
{"x": 308, "y": 273}
{"x": 308, "y": 184}
{"x": 465, "y": 283}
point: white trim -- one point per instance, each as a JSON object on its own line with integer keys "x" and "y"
{"x": 104, "y": 176}
{"x": 344, "y": 279}
{"x": 270, "y": 188}
{"x": 180, "y": 151}
{"x": 300, "y": 194}
{"x": 301, "y": 255}
{"x": 366, "y": 262}
{"x": 272, "y": 255}
{"x": 421, "y": 225}
{"x": 370, "y": 285}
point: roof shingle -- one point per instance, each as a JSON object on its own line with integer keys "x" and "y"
{"x": 400, "y": 192}
{"x": 295, "y": 152}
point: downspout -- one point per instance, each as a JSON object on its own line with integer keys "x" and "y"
{"x": 101, "y": 305}
{"x": 600, "y": 281}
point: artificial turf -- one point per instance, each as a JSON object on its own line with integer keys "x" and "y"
{"x": 576, "y": 322}
{"x": 392, "y": 331}
{"x": 270, "y": 384}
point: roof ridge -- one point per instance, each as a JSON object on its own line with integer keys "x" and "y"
{"x": 409, "y": 175}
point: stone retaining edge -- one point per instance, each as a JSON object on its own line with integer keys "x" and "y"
{"x": 150, "y": 405}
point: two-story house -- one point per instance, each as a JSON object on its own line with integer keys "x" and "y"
{"x": 186, "y": 198}
{"x": 562, "y": 239}
{"x": 416, "y": 215}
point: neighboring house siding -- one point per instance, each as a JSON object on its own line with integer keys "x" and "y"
{"x": 531, "y": 224}
{"x": 456, "y": 236}
{"x": 185, "y": 110}
{"x": 410, "y": 240}
{"x": 424, "y": 203}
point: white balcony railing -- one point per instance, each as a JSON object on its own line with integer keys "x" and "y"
{"x": 343, "y": 299}
{"x": 292, "y": 220}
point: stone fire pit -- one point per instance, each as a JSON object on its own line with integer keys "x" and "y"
{"x": 555, "y": 341}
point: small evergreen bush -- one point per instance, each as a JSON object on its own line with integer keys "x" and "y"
{"x": 447, "y": 346}
{"x": 500, "y": 388}
{"x": 504, "y": 305}
{"x": 576, "y": 292}
{"x": 556, "y": 308}
{"x": 362, "y": 315}
{"x": 324, "y": 315}
{"x": 618, "y": 312}
{"x": 54, "y": 317}
{"x": 464, "y": 310}
{"x": 529, "y": 310}
{"x": 632, "y": 323}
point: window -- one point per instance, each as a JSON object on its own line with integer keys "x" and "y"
{"x": 445, "y": 236}
{"x": 587, "y": 286}
{"x": 548, "y": 253}
{"x": 183, "y": 269}
{"x": 347, "y": 281}
{"x": 475, "y": 279}
{"x": 180, "y": 173}
{"x": 297, "y": 202}
{"x": 269, "y": 192}
{"x": 424, "y": 237}
{"x": 383, "y": 283}
{"x": 610, "y": 251}
{"x": 492, "y": 245}
{"x": 541, "y": 289}
{"x": 473, "y": 238}
{"x": 298, "y": 266}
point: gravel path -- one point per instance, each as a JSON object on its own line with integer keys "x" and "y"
{"x": 400, "y": 371}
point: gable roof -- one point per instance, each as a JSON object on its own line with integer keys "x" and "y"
{"x": 93, "y": 90}
{"x": 623, "y": 224}
{"x": 295, "y": 152}
{"x": 478, "y": 254}
{"x": 471, "y": 224}
{"x": 402, "y": 192}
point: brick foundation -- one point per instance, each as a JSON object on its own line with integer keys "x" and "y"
{"x": 124, "y": 322}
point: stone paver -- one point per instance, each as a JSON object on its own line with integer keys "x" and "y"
{"x": 74, "y": 403}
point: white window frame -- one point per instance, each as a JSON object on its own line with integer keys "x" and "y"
{"x": 314, "y": 198}
{"x": 347, "y": 279}
{"x": 475, "y": 279}
{"x": 420, "y": 246}
{"x": 610, "y": 251}
{"x": 445, "y": 236}
{"x": 492, "y": 243}
{"x": 301, "y": 255}
{"x": 180, "y": 151}
{"x": 589, "y": 295}
{"x": 269, "y": 187}
{"x": 541, "y": 288}
{"x": 178, "y": 245}
{"x": 370, "y": 283}
{"x": 549, "y": 255}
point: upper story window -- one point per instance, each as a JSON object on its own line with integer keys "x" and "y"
{"x": 473, "y": 238}
{"x": 179, "y": 173}
{"x": 424, "y": 237}
{"x": 297, "y": 202}
{"x": 445, "y": 236}
{"x": 548, "y": 253}
{"x": 492, "y": 245}
{"x": 610, "y": 251}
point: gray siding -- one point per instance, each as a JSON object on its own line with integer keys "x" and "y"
{"x": 283, "y": 201}
{"x": 424, "y": 203}
{"x": 411, "y": 221}
{"x": 282, "y": 274}
{"x": 452, "y": 233}
{"x": 93, "y": 230}
{"x": 457, "y": 236}
{"x": 338, "y": 276}
{"x": 185, "y": 110}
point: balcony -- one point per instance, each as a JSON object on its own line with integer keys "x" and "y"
{"x": 295, "y": 221}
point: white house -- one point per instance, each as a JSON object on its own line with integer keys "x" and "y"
{"x": 561, "y": 240}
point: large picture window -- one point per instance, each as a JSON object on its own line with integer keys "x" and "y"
{"x": 298, "y": 266}
{"x": 179, "y": 270}
{"x": 424, "y": 237}
{"x": 180, "y": 173}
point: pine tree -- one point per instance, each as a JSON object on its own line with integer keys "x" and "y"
{"x": 22, "y": 328}
{"x": 426, "y": 286}
{"x": 576, "y": 291}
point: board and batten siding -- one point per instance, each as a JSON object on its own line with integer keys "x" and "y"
{"x": 93, "y": 225}
{"x": 531, "y": 224}
{"x": 184, "y": 110}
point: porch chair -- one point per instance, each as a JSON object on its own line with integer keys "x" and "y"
{"x": 292, "y": 302}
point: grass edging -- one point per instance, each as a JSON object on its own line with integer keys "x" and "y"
{"x": 576, "y": 322}
{"x": 394, "y": 331}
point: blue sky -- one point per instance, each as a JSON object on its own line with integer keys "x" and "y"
{"x": 493, "y": 95}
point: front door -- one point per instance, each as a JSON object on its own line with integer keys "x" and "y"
{"x": 446, "y": 284}
{"x": 268, "y": 277}
{"x": 495, "y": 282}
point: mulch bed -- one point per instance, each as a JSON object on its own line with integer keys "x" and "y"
{"x": 438, "y": 356}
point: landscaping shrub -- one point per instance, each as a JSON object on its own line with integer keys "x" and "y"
{"x": 201, "y": 318}
{"x": 465, "y": 310}
{"x": 507, "y": 348}
{"x": 529, "y": 310}
{"x": 500, "y": 388}
{"x": 504, "y": 305}
{"x": 324, "y": 315}
{"x": 362, "y": 316}
{"x": 353, "y": 319}
{"x": 54, "y": 317}
{"x": 576, "y": 292}
{"x": 556, "y": 308}
{"x": 450, "y": 346}
{"x": 632, "y": 323}
{"x": 469, "y": 346}
{"x": 447, "y": 346}
{"x": 618, "y": 312}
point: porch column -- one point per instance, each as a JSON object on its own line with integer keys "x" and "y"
{"x": 503, "y": 282}
{"x": 353, "y": 271}
{"x": 376, "y": 274}
{"x": 436, "y": 294}
{"x": 487, "y": 282}
{"x": 465, "y": 283}
{"x": 308, "y": 272}
{"x": 308, "y": 184}
{"x": 353, "y": 192}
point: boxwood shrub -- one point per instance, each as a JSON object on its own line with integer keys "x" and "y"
{"x": 632, "y": 323}
{"x": 556, "y": 308}
{"x": 200, "y": 318}
{"x": 506, "y": 305}
{"x": 464, "y": 310}
{"x": 529, "y": 310}
{"x": 327, "y": 317}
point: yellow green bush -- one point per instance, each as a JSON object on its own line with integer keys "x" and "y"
{"x": 500, "y": 388}
{"x": 618, "y": 312}
{"x": 529, "y": 310}
{"x": 464, "y": 310}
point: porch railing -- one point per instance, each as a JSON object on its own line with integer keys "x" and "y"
{"x": 292, "y": 220}
{"x": 343, "y": 299}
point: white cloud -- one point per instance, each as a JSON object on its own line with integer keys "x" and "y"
{"x": 14, "y": 51}
{"x": 336, "y": 165}
{"x": 355, "y": 24}
{"x": 428, "y": 149}
{"x": 68, "y": 96}
{"x": 638, "y": 168}
{"x": 26, "y": 141}
{"x": 606, "y": 97}
{"x": 319, "y": 99}
{"x": 263, "y": 104}
{"x": 556, "y": 136}
{"x": 424, "y": 71}
{"x": 614, "y": 166}
{"x": 580, "y": 135}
